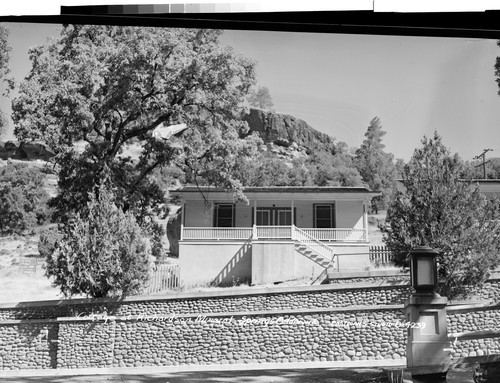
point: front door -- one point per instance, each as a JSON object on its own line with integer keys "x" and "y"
{"x": 283, "y": 218}
{"x": 264, "y": 217}
{"x": 273, "y": 216}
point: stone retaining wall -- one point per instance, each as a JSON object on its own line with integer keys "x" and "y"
{"x": 472, "y": 318}
{"x": 321, "y": 323}
{"x": 189, "y": 303}
{"x": 27, "y": 345}
{"x": 239, "y": 338}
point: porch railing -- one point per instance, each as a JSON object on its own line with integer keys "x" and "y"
{"x": 355, "y": 235}
{"x": 216, "y": 233}
{"x": 273, "y": 232}
{"x": 270, "y": 232}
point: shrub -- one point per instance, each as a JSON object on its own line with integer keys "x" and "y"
{"x": 23, "y": 200}
{"x": 440, "y": 210}
{"x": 102, "y": 252}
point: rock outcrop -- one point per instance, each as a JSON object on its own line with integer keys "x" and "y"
{"x": 25, "y": 151}
{"x": 285, "y": 130}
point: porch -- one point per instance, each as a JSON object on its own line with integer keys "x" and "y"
{"x": 272, "y": 233}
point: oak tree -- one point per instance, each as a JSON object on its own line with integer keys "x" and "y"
{"x": 111, "y": 86}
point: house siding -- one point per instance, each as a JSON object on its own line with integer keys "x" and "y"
{"x": 202, "y": 263}
{"x": 349, "y": 214}
{"x": 197, "y": 214}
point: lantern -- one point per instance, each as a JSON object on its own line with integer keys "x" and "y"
{"x": 423, "y": 269}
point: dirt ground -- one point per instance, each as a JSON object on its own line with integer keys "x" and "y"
{"x": 16, "y": 285}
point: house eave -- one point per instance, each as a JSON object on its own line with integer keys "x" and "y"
{"x": 279, "y": 193}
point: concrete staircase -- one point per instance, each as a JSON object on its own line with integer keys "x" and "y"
{"x": 316, "y": 251}
{"x": 313, "y": 255}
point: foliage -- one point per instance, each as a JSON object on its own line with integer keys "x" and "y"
{"x": 319, "y": 168}
{"x": 333, "y": 170}
{"x": 102, "y": 251}
{"x": 112, "y": 85}
{"x": 376, "y": 166}
{"x": 5, "y": 50}
{"x": 474, "y": 169}
{"x": 439, "y": 210}
{"x": 23, "y": 200}
{"x": 266, "y": 169}
{"x": 48, "y": 241}
{"x": 261, "y": 98}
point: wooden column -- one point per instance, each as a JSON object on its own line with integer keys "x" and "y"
{"x": 255, "y": 218}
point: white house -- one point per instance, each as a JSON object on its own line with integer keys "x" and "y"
{"x": 283, "y": 233}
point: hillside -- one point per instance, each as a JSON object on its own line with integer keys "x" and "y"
{"x": 284, "y": 135}
{"x": 285, "y": 131}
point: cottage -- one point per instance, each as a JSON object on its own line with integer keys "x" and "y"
{"x": 283, "y": 233}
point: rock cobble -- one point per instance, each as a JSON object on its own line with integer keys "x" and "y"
{"x": 277, "y": 301}
{"x": 26, "y": 346}
{"x": 224, "y": 340}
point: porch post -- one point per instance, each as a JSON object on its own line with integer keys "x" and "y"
{"x": 365, "y": 219}
{"x": 293, "y": 224}
{"x": 183, "y": 211}
{"x": 255, "y": 219}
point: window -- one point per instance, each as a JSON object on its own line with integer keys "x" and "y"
{"x": 324, "y": 216}
{"x": 224, "y": 215}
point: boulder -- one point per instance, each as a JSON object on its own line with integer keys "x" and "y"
{"x": 286, "y": 131}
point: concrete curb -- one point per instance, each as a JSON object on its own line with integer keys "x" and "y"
{"x": 151, "y": 370}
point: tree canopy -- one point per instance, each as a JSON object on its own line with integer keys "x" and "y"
{"x": 261, "y": 98}
{"x": 438, "y": 209}
{"x": 376, "y": 166}
{"x": 112, "y": 85}
{"x": 23, "y": 200}
{"x": 4, "y": 70}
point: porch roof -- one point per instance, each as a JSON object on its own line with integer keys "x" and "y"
{"x": 281, "y": 192}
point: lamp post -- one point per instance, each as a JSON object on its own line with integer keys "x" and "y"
{"x": 427, "y": 347}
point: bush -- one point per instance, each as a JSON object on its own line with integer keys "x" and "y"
{"x": 101, "y": 253}
{"x": 442, "y": 211}
{"x": 48, "y": 241}
{"x": 23, "y": 200}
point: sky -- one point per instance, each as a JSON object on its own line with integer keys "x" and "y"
{"x": 337, "y": 83}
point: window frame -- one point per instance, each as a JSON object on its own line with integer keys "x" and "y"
{"x": 333, "y": 215}
{"x": 216, "y": 214}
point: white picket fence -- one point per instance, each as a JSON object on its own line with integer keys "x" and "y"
{"x": 380, "y": 255}
{"x": 165, "y": 277}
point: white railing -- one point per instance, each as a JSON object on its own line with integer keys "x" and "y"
{"x": 313, "y": 243}
{"x": 270, "y": 232}
{"x": 274, "y": 232}
{"x": 216, "y": 233}
{"x": 337, "y": 234}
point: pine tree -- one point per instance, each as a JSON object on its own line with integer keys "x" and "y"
{"x": 438, "y": 209}
{"x": 375, "y": 166}
{"x": 102, "y": 252}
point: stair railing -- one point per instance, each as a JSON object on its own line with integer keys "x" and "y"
{"x": 312, "y": 243}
